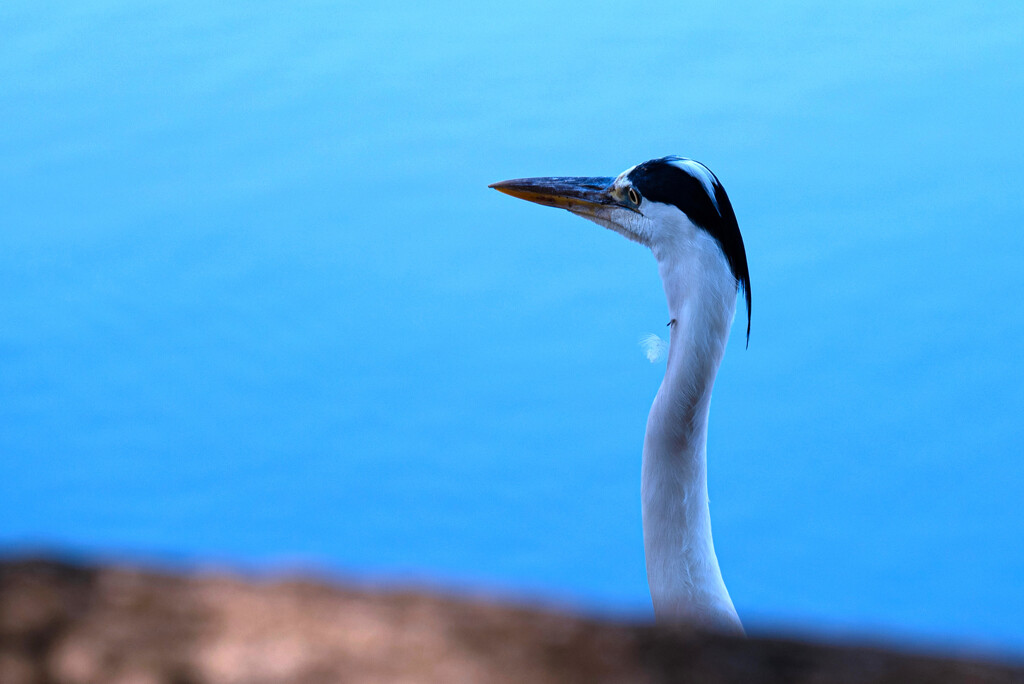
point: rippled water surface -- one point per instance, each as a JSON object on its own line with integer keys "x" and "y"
{"x": 259, "y": 307}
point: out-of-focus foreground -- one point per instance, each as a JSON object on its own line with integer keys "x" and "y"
{"x": 66, "y": 623}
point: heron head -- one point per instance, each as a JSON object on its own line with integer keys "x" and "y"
{"x": 669, "y": 204}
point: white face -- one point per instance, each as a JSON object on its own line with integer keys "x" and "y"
{"x": 625, "y": 222}
{"x": 628, "y": 221}
{"x": 650, "y": 223}
{"x": 661, "y": 227}
{"x": 685, "y": 252}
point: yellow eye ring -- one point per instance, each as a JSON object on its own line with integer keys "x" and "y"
{"x": 634, "y": 196}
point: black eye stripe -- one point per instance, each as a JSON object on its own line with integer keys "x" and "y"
{"x": 663, "y": 180}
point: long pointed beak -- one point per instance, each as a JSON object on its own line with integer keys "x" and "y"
{"x": 579, "y": 195}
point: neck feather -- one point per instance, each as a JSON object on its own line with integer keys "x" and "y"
{"x": 682, "y": 569}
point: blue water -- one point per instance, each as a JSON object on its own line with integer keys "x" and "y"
{"x": 260, "y": 309}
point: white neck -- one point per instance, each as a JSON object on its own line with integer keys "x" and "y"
{"x": 682, "y": 569}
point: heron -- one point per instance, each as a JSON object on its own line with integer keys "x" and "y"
{"x": 678, "y": 209}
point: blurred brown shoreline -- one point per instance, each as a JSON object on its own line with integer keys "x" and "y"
{"x": 73, "y": 623}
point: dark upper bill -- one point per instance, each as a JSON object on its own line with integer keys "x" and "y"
{"x": 572, "y": 193}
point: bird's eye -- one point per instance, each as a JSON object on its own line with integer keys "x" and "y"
{"x": 634, "y": 196}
